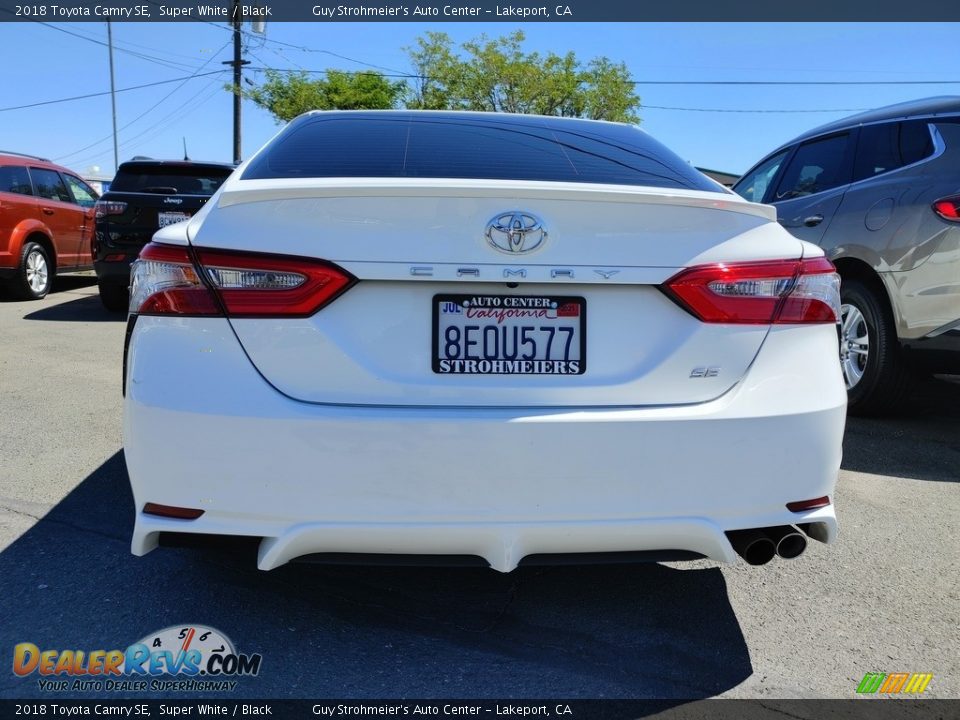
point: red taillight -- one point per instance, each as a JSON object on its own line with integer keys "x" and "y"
{"x": 172, "y": 511}
{"x": 803, "y": 505}
{"x": 165, "y": 281}
{"x": 948, "y": 208}
{"x": 109, "y": 207}
{"x": 260, "y": 285}
{"x": 777, "y": 291}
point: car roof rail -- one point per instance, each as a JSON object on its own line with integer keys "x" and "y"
{"x": 26, "y": 155}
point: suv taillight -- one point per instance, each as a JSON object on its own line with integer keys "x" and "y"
{"x": 948, "y": 208}
{"x": 165, "y": 281}
{"x": 761, "y": 293}
{"x": 102, "y": 208}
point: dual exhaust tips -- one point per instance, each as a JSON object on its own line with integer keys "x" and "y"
{"x": 758, "y": 545}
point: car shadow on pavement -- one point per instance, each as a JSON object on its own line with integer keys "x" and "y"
{"x": 920, "y": 442}
{"x": 61, "y": 284}
{"x": 86, "y": 308}
{"x": 629, "y": 631}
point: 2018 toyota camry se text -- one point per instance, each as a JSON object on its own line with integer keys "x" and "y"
{"x": 513, "y": 338}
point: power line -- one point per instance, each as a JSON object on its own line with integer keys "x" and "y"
{"x": 425, "y": 77}
{"x": 107, "y": 92}
{"x": 215, "y": 72}
{"x": 394, "y": 73}
{"x": 118, "y": 43}
{"x": 151, "y": 108}
{"x": 336, "y": 55}
{"x": 413, "y": 76}
{"x": 176, "y": 112}
{"x": 155, "y": 49}
{"x": 691, "y": 82}
{"x": 172, "y": 64}
{"x": 191, "y": 104}
{"x": 402, "y": 74}
{"x": 279, "y": 54}
{"x": 301, "y": 48}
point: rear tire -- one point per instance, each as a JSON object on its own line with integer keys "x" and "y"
{"x": 874, "y": 369}
{"x": 114, "y": 298}
{"x": 34, "y": 276}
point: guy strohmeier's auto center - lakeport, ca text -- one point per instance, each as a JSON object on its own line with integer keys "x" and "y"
{"x": 459, "y": 11}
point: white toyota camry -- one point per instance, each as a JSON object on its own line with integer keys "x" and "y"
{"x": 482, "y": 337}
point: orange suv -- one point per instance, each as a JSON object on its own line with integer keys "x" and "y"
{"x": 46, "y": 223}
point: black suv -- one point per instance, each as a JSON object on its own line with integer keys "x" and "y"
{"x": 145, "y": 196}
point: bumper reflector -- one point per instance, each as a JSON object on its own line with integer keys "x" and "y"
{"x": 171, "y": 511}
{"x": 802, "y": 505}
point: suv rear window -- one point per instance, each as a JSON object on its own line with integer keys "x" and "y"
{"x": 887, "y": 146}
{"x": 179, "y": 180}
{"x": 14, "y": 179}
{"x": 493, "y": 148}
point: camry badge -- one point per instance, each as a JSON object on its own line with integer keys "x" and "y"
{"x": 516, "y": 232}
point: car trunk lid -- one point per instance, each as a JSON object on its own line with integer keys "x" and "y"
{"x": 415, "y": 245}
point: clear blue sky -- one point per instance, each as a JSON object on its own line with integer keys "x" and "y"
{"x": 40, "y": 63}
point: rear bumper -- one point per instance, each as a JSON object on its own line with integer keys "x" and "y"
{"x": 204, "y": 430}
{"x": 116, "y": 272}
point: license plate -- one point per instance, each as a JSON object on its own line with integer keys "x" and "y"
{"x": 509, "y": 335}
{"x": 169, "y": 218}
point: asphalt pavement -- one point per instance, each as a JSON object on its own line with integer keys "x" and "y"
{"x": 884, "y": 598}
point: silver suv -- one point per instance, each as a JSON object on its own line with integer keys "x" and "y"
{"x": 880, "y": 192}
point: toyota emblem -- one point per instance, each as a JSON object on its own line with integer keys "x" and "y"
{"x": 516, "y": 232}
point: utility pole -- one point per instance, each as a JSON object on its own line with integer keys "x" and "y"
{"x": 238, "y": 62}
{"x": 113, "y": 100}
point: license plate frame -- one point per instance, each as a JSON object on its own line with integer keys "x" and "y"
{"x": 165, "y": 218}
{"x": 524, "y": 368}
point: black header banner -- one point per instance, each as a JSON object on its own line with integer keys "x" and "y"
{"x": 508, "y": 11}
{"x": 877, "y": 709}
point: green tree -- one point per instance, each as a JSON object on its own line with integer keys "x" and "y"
{"x": 498, "y": 76}
{"x": 288, "y": 94}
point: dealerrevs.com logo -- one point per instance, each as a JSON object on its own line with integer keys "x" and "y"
{"x": 178, "y": 658}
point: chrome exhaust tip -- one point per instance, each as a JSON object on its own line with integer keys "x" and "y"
{"x": 815, "y": 531}
{"x": 789, "y": 542}
{"x": 753, "y": 545}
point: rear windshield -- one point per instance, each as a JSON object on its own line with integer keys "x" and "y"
{"x": 494, "y": 148}
{"x": 175, "y": 179}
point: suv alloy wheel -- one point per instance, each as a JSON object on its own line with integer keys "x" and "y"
{"x": 34, "y": 275}
{"x": 874, "y": 370}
